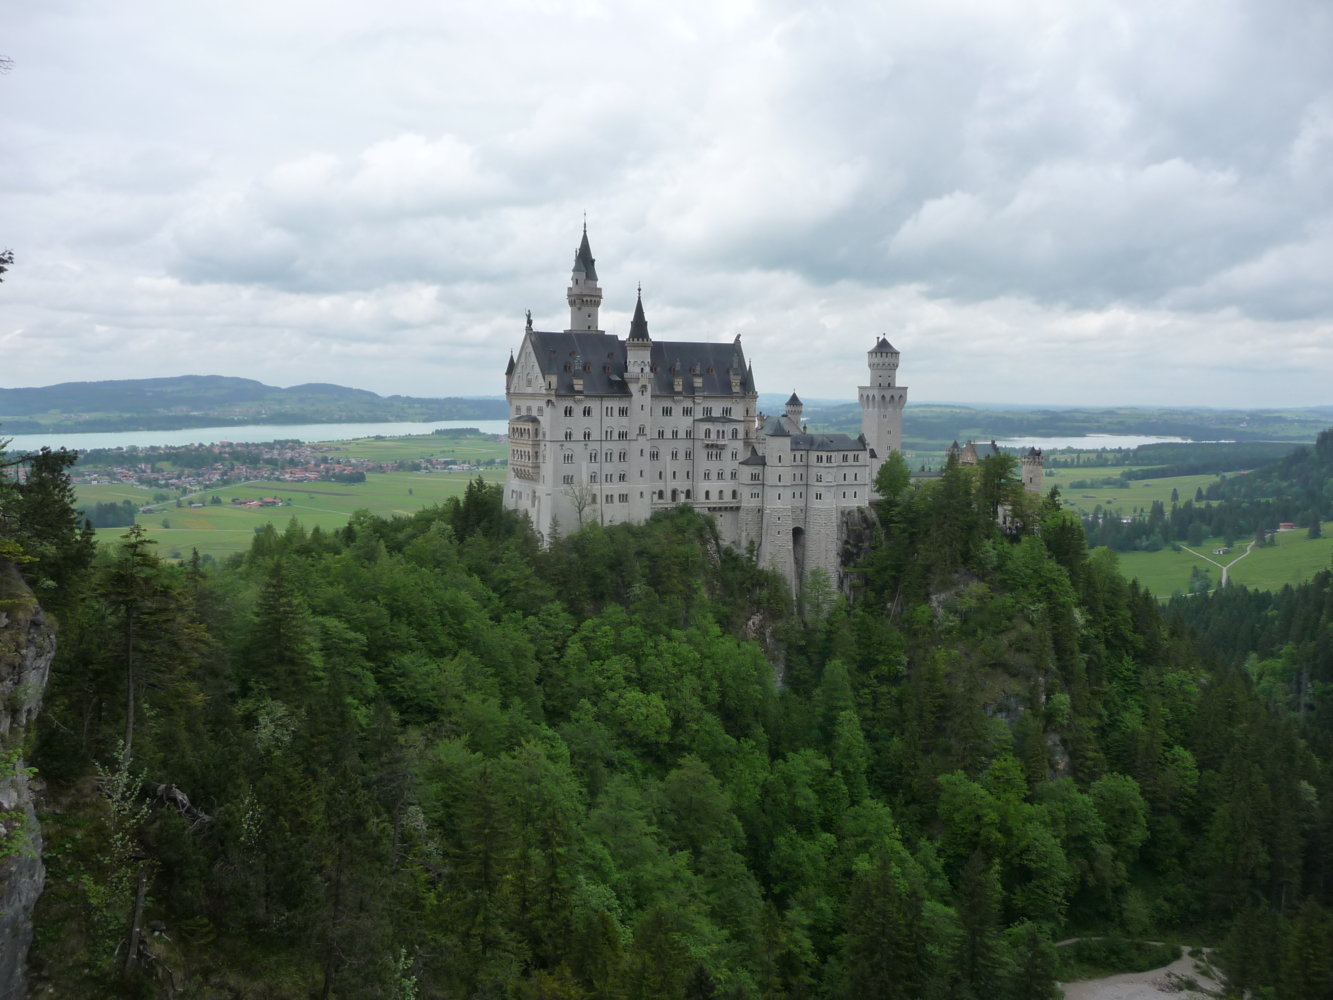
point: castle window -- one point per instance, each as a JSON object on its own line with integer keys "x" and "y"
{"x": 569, "y": 480}
{"x": 733, "y": 473}
{"x": 568, "y": 458}
{"x": 675, "y": 432}
{"x": 587, "y": 434}
{"x": 688, "y": 454}
{"x": 733, "y": 456}
{"x": 661, "y": 494}
{"x": 708, "y": 474}
{"x": 734, "y": 495}
{"x": 708, "y": 494}
{"x": 707, "y": 433}
{"x": 569, "y": 435}
{"x": 661, "y": 432}
{"x": 624, "y": 498}
{"x": 587, "y": 411}
{"x": 735, "y": 432}
{"x": 592, "y": 477}
{"x": 687, "y": 494}
{"x": 666, "y": 411}
{"x": 624, "y": 455}
{"x": 642, "y": 430}
{"x": 652, "y": 455}
{"x": 569, "y": 411}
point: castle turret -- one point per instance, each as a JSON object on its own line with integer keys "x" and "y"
{"x": 793, "y": 412}
{"x": 638, "y": 345}
{"x": 882, "y": 403}
{"x": 584, "y": 295}
{"x": 1033, "y": 471}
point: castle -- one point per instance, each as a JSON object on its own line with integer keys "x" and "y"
{"x": 610, "y": 430}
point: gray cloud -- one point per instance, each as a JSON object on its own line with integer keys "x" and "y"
{"x": 1120, "y": 201}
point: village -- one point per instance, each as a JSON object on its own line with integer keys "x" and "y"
{"x": 200, "y": 467}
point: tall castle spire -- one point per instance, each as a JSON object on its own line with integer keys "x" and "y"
{"x": 584, "y": 295}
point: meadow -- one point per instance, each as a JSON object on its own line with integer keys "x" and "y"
{"x": 221, "y": 529}
{"x": 1295, "y": 557}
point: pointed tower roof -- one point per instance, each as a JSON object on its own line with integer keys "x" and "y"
{"x": 509, "y": 369}
{"x": 795, "y": 400}
{"x": 583, "y": 258}
{"x": 884, "y": 346}
{"x": 638, "y": 326}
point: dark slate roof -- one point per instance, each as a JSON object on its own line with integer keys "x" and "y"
{"x": 985, "y": 450}
{"x": 509, "y": 368}
{"x": 595, "y": 352}
{"x": 774, "y": 427}
{"x": 884, "y": 345}
{"x": 795, "y": 400}
{"x": 754, "y": 458}
{"x": 638, "y": 326}
{"x": 826, "y": 442}
{"x": 527, "y": 418}
{"x": 583, "y": 259}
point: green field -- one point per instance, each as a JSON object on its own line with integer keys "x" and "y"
{"x": 1295, "y": 558}
{"x": 1138, "y": 495}
{"x": 219, "y": 530}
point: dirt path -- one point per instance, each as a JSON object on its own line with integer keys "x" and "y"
{"x": 1228, "y": 566}
{"x": 1184, "y": 979}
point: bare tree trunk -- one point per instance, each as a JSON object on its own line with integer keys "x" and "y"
{"x": 136, "y": 922}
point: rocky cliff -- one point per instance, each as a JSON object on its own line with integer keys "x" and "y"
{"x": 27, "y": 645}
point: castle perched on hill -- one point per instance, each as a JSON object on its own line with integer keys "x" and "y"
{"x": 609, "y": 430}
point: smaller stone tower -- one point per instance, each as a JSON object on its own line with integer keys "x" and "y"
{"x": 585, "y": 296}
{"x": 1033, "y": 471}
{"x": 882, "y": 403}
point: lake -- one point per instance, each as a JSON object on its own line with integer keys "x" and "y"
{"x": 247, "y": 434}
{"x": 1094, "y": 441}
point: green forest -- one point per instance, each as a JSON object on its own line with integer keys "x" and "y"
{"x": 423, "y": 757}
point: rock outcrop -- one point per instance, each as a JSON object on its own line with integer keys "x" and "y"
{"x": 27, "y": 646}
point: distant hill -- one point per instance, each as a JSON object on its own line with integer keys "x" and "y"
{"x": 215, "y": 400}
{"x": 932, "y": 426}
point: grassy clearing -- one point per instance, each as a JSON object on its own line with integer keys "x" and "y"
{"x": 1294, "y": 559}
{"x": 1124, "y": 500}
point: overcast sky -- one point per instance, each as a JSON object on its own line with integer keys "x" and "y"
{"x": 1119, "y": 202}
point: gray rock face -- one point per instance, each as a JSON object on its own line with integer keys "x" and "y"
{"x": 27, "y": 646}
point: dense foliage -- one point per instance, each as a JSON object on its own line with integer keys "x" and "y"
{"x": 420, "y": 757}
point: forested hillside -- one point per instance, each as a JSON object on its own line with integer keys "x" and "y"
{"x": 215, "y": 400}
{"x": 1297, "y": 489}
{"x": 420, "y": 757}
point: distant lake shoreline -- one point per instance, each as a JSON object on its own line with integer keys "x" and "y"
{"x": 246, "y": 434}
{"x": 1091, "y": 442}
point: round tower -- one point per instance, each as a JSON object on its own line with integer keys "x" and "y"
{"x": 1033, "y": 471}
{"x": 584, "y": 295}
{"x": 882, "y": 403}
